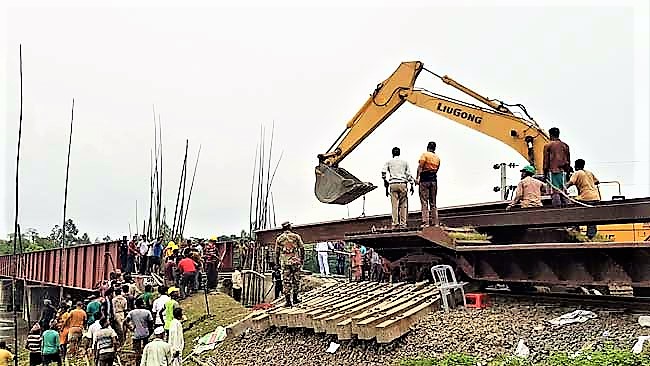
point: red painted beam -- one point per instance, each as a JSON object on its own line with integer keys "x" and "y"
{"x": 83, "y": 265}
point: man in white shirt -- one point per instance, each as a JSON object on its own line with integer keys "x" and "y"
{"x": 237, "y": 284}
{"x": 143, "y": 248}
{"x": 157, "y": 352}
{"x": 159, "y": 304}
{"x": 92, "y": 329}
{"x": 175, "y": 339}
{"x": 321, "y": 249}
{"x": 396, "y": 176}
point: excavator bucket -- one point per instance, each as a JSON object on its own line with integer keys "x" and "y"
{"x": 337, "y": 186}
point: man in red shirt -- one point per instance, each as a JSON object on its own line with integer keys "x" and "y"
{"x": 187, "y": 269}
{"x": 132, "y": 253}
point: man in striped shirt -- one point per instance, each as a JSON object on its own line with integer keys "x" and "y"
{"x": 396, "y": 175}
{"x": 33, "y": 345}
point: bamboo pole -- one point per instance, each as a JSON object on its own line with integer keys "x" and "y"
{"x": 250, "y": 209}
{"x": 180, "y": 213}
{"x": 65, "y": 205}
{"x": 178, "y": 195}
{"x": 190, "y": 194}
{"x": 16, "y": 227}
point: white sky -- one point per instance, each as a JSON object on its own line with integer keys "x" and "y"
{"x": 215, "y": 74}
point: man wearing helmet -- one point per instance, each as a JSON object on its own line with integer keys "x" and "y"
{"x": 529, "y": 190}
{"x": 290, "y": 254}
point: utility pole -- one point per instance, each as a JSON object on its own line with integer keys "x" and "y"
{"x": 503, "y": 187}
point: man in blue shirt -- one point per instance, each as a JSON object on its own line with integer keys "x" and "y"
{"x": 154, "y": 255}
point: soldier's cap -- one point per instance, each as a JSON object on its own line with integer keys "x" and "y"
{"x": 286, "y": 224}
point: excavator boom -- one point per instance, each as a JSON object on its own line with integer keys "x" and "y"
{"x": 336, "y": 185}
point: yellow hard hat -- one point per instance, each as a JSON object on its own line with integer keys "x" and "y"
{"x": 213, "y": 238}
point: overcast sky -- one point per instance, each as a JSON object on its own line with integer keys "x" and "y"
{"x": 215, "y": 74}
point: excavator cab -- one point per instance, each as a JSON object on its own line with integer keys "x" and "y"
{"x": 337, "y": 186}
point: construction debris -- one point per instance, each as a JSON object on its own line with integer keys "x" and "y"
{"x": 363, "y": 310}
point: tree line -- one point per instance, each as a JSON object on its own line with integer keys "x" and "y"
{"x": 32, "y": 240}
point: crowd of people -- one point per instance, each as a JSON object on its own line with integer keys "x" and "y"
{"x": 181, "y": 265}
{"x": 100, "y": 326}
{"x": 365, "y": 263}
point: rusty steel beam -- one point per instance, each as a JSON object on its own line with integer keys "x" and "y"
{"x": 573, "y": 264}
{"x": 485, "y": 217}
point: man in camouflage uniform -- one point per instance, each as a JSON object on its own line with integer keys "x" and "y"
{"x": 290, "y": 254}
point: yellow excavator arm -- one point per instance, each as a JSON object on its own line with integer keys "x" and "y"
{"x": 337, "y": 186}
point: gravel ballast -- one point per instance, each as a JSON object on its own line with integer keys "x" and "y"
{"x": 483, "y": 333}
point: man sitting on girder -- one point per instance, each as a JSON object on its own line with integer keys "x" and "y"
{"x": 529, "y": 190}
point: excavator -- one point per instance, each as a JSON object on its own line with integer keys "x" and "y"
{"x": 513, "y": 127}
{"x": 508, "y": 123}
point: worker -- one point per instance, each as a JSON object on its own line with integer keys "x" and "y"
{"x": 211, "y": 257}
{"x": 321, "y": 251}
{"x": 142, "y": 323}
{"x": 397, "y": 174}
{"x": 586, "y": 182}
{"x": 50, "y": 345}
{"x": 33, "y": 345}
{"x": 529, "y": 190}
{"x": 159, "y": 304}
{"x": 237, "y": 284}
{"x": 143, "y": 249}
{"x": 63, "y": 327}
{"x": 277, "y": 280}
{"x": 290, "y": 253}
{"x": 427, "y": 179}
{"x": 47, "y": 314}
{"x": 557, "y": 164}
{"x": 105, "y": 341}
{"x": 76, "y": 322}
{"x": 176, "y": 340}
{"x": 6, "y": 357}
{"x": 157, "y": 352}
{"x": 355, "y": 262}
{"x": 167, "y": 313}
{"x": 120, "y": 306}
{"x": 132, "y": 254}
{"x": 339, "y": 248}
{"x": 187, "y": 270}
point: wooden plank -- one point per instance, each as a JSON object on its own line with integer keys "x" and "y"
{"x": 300, "y": 316}
{"x": 343, "y": 328}
{"x": 359, "y": 306}
{"x": 366, "y": 328}
{"x": 318, "y": 321}
{"x": 389, "y": 303}
{"x": 307, "y": 318}
{"x": 394, "y": 328}
{"x": 280, "y": 316}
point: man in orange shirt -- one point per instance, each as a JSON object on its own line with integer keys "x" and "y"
{"x": 76, "y": 323}
{"x": 427, "y": 178}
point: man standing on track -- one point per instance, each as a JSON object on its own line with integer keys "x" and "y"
{"x": 290, "y": 253}
{"x": 586, "y": 182}
{"x": 557, "y": 164}
{"x": 396, "y": 172}
{"x": 427, "y": 178}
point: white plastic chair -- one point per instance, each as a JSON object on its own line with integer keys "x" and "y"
{"x": 444, "y": 277}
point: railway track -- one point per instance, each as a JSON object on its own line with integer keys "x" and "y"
{"x": 634, "y": 304}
